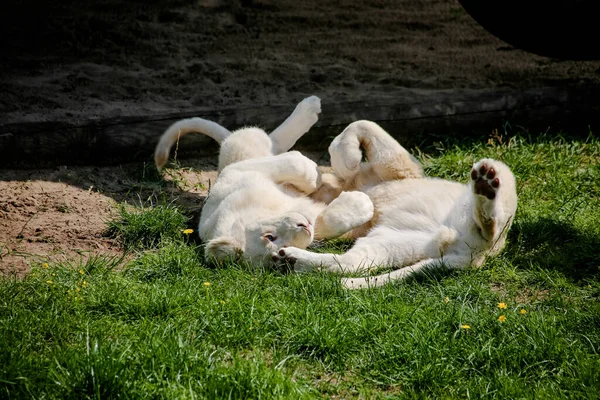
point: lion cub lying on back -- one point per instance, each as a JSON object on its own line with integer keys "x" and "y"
{"x": 260, "y": 201}
{"x": 418, "y": 222}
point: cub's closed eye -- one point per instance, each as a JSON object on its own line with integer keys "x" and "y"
{"x": 270, "y": 238}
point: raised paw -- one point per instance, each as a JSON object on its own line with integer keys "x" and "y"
{"x": 485, "y": 180}
{"x": 311, "y": 105}
{"x": 304, "y": 173}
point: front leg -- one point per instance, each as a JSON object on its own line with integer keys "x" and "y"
{"x": 348, "y": 211}
{"x": 495, "y": 197}
{"x": 304, "y": 116}
{"x": 368, "y": 252}
{"x": 382, "y": 247}
{"x": 352, "y": 261}
{"x": 291, "y": 167}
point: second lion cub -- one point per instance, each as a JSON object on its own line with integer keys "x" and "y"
{"x": 419, "y": 222}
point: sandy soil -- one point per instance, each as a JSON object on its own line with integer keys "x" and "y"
{"x": 80, "y": 61}
{"x": 59, "y": 215}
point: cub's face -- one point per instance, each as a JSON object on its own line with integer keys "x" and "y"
{"x": 267, "y": 236}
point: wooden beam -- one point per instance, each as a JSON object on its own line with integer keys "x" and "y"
{"x": 402, "y": 113}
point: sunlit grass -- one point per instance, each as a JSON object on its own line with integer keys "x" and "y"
{"x": 167, "y": 325}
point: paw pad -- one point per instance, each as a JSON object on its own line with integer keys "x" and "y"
{"x": 485, "y": 181}
{"x": 283, "y": 258}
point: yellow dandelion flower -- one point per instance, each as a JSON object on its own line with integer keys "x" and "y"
{"x": 502, "y": 318}
{"x": 188, "y": 231}
{"x": 465, "y": 327}
{"x": 446, "y": 300}
{"x": 50, "y": 282}
{"x": 502, "y": 305}
{"x": 53, "y": 274}
{"x": 81, "y": 271}
{"x": 69, "y": 291}
{"x": 206, "y": 283}
{"x": 222, "y": 302}
{"x": 523, "y": 311}
{"x": 45, "y": 265}
{"x": 84, "y": 283}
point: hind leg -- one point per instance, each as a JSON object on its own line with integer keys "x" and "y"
{"x": 451, "y": 261}
{"x": 386, "y": 158}
{"x": 304, "y": 116}
{"x": 495, "y": 198}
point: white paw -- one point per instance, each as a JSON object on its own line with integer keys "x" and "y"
{"x": 351, "y": 210}
{"x": 306, "y": 168}
{"x": 289, "y": 257}
{"x": 313, "y": 178}
{"x": 345, "y": 157}
{"x": 311, "y": 106}
{"x": 357, "y": 203}
{"x": 486, "y": 181}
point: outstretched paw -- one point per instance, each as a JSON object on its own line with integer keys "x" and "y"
{"x": 282, "y": 258}
{"x": 485, "y": 180}
{"x": 287, "y": 257}
{"x": 282, "y": 263}
{"x": 301, "y": 171}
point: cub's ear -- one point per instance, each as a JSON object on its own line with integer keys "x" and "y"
{"x": 224, "y": 247}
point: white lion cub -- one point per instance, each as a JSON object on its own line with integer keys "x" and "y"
{"x": 260, "y": 201}
{"x": 419, "y": 222}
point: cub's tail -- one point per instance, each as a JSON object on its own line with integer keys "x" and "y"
{"x": 181, "y": 128}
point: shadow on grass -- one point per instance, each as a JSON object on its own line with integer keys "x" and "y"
{"x": 554, "y": 245}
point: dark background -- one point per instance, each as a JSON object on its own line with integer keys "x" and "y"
{"x": 79, "y": 61}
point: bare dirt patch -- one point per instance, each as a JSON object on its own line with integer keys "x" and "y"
{"x": 60, "y": 214}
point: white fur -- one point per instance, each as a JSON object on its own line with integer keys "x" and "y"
{"x": 260, "y": 201}
{"x": 419, "y": 222}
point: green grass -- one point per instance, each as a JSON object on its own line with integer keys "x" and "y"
{"x": 146, "y": 226}
{"x": 166, "y": 325}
